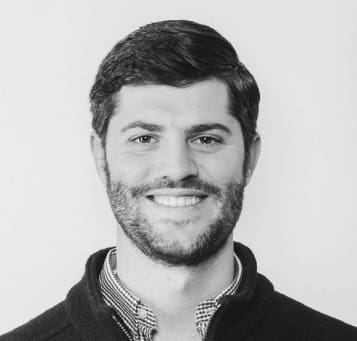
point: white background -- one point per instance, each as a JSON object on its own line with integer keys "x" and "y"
{"x": 299, "y": 215}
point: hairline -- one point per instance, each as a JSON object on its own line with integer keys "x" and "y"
{"x": 114, "y": 99}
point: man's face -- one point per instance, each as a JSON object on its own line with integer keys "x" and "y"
{"x": 174, "y": 169}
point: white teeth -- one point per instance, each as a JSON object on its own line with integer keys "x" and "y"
{"x": 177, "y": 201}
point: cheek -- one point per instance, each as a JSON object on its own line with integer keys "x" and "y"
{"x": 223, "y": 168}
{"x": 131, "y": 169}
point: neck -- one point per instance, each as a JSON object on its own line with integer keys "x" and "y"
{"x": 177, "y": 289}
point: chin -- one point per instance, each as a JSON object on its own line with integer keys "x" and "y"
{"x": 191, "y": 247}
{"x": 192, "y": 254}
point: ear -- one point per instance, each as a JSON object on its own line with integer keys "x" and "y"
{"x": 99, "y": 156}
{"x": 253, "y": 156}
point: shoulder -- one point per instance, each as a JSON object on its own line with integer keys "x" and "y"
{"x": 53, "y": 324}
{"x": 304, "y": 320}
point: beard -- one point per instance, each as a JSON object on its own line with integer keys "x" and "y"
{"x": 125, "y": 204}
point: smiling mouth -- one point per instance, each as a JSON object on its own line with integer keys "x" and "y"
{"x": 176, "y": 201}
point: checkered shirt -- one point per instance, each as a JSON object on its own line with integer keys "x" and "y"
{"x": 140, "y": 323}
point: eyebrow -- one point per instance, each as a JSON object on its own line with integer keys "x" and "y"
{"x": 198, "y": 128}
{"x": 143, "y": 125}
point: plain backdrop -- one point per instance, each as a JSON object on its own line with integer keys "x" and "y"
{"x": 299, "y": 215}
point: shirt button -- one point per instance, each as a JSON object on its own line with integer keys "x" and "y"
{"x": 142, "y": 313}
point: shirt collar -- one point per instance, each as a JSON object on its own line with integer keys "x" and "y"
{"x": 138, "y": 317}
{"x": 206, "y": 309}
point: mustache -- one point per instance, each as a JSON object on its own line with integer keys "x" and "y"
{"x": 188, "y": 183}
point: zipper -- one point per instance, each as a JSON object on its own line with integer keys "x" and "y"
{"x": 208, "y": 334}
{"x": 211, "y": 324}
{"x": 123, "y": 328}
{"x": 209, "y": 329}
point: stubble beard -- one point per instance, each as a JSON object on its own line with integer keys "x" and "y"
{"x": 125, "y": 205}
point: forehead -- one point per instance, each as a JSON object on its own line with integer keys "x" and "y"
{"x": 204, "y": 101}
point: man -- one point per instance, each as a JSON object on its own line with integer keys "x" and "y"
{"x": 175, "y": 144}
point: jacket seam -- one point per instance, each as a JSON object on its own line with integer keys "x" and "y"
{"x": 53, "y": 332}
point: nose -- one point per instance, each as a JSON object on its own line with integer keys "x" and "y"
{"x": 177, "y": 162}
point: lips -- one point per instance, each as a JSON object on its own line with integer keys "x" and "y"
{"x": 177, "y": 197}
{"x": 177, "y": 201}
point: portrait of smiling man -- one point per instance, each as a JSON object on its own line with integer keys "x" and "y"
{"x": 175, "y": 145}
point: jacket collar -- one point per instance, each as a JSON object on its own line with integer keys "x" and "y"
{"x": 93, "y": 319}
{"x": 244, "y": 310}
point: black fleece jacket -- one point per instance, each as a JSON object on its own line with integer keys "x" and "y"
{"x": 256, "y": 312}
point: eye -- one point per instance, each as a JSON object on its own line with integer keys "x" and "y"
{"x": 207, "y": 140}
{"x": 144, "y": 139}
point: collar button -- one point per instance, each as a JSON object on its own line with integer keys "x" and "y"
{"x": 142, "y": 313}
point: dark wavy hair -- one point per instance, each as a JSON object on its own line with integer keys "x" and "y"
{"x": 176, "y": 53}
